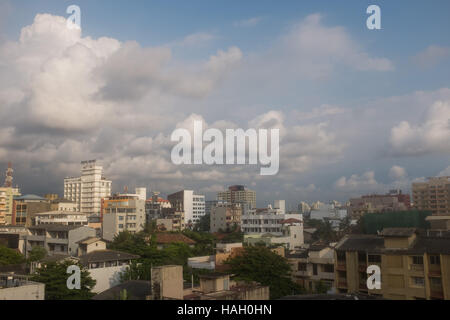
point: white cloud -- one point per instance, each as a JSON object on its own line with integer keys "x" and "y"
{"x": 397, "y": 172}
{"x": 251, "y": 22}
{"x": 356, "y": 182}
{"x": 431, "y": 56}
{"x": 445, "y": 172}
{"x": 195, "y": 39}
{"x": 431, "y": 136}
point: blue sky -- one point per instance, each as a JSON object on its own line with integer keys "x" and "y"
{"x": 358, "y": 102}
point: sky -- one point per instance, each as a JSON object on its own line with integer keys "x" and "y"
{"x": 359, "y": 111}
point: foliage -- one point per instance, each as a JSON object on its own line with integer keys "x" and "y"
{"x": 204, "y": 225}
{"x": 260, "y": 264}
{"x": 324, "y": 230}
{"x": 54, "y": 275}
{"x": 37, "y": 253}
{"x": 10, "y": 256}
{"x": 321, "y": 287}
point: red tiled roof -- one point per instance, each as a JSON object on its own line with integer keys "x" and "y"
{"x": 166, "y": 238}
{"x": 291, "y": 220}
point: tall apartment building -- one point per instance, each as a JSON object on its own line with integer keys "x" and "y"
{"x": 413, "y": 266}
{"x": 395, "y": 200}
{"x": 88, "y": 190}
{"x": 225, "y": 216}
{"x": 7, "y": 195}
{"x": 193, "y": 205}
{"x": 432, "y": 195}
{"x": 238, "y": 194}
{"x": 120, "y": 213}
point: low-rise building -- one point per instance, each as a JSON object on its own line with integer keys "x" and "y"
{"x": 412, "y": 265}
{"x": 57, "y": 239}
{"x": 225, "y": 216}
{"x": 67, "y": 218}
{"x": 313, "y": 266}
{"x": 26, "y": 207}
{"x": 395, "y": 200}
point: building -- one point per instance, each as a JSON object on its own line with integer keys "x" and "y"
{"x": 395, "y": 200}
{"x": 61, "y": 204}
{"x": 267, "y": 220}
{"x": 67, "y": 218}
{"x": 164, "y": 239}
{"x": 155, "y": 205}
{"x": 216, "y": 262}
{"x": 104, "y": 266}
{"x": 26, "y": 207}
{"x": 167, "y": 282}
{"x": 412, "y": 265}
{"x": 7, "y": 195}
{"x": 57, "y": 239}
{"x": 225, "y": 217}
{"x": 238, "y": 194}
{"x": 432, "y": 195}
{"x": 14, "y": 237}
{"x": 304, "y": 208}
{"x": 312, "y": 266}
{"x": 122, "y": 212}
{"x": 191, "y": 204}
{"x": 17, "y": 287}
{"x": 291, "y": 236}
{"x": 88, "y": 190}
{"x": 329, "y": 212}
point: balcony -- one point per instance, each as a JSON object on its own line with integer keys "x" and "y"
{"x": 436, "y": 293}
{"x": 342, "y": 284}
{"x": 435, "y": 272}
{"x": 341, "y": 265}
{"x": 416, "y": 267}
{"x": 362, "y": 267}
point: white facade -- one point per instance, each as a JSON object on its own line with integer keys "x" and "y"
{"x": 267, "y": 220}
{"x": 88, "y": 190}
{"x": 61, "y": 217}
{"x": 142, "y": 193}
{"x": 192, "y": 204}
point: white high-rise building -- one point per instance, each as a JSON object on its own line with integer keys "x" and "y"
{"x": 192, "y": 204}
{"x": 88, "y": 190}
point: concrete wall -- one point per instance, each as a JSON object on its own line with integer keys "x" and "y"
{"x": 106, "y": 277}
{"x": 169, "y": 281}
{"x": 31, "y": 291}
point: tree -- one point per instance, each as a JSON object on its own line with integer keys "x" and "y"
{"x": 54, "y": 275}
{"x": 37, "y": 253}
{"x": 204, "y": 224}
{"x": 10, "y": 256}
{"x": 260, "y": 264}
{"x": 321, "y": 287}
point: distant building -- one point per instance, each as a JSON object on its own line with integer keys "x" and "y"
{"x": 68, "y": 218}
{"x": 225, "y": 216}
{"x": 155, "y": 205}
{"x": 238, "y": 194}
{"x": 392, "y": 201}
{"x": 122, "y": 212}
{"x": 193, "y": 205}
{"x": 164, "y": 239}
{"x": 304, "y": 208}
{"x": 88, "y": 190}
{"x": 432, "y": 195}
{"x": 26, "y": 207}
{"x": 6, "y": 204}
{"x": 413, "y": 266}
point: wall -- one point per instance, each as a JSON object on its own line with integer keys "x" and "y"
{"x": 106, "y": 277}
{"x": 31, "y": 291}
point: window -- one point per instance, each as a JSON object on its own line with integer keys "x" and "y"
{"x": 301, "y": 266}
{"x": 328, "y": 268}
{"x": 374, "y": 258}
{"x": 120, "y": 226}
{"x": 435, "y": 260}
{"x": 315, "y": 269}
{"x": 417, "y": 260}
{"x": 418, "y": 281}
{"x": 436, "y": 282}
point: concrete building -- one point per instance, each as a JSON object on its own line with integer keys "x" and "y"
{"x": 67, "y": 218}
{"x": 88, "y": 190}
{"x": 14, "y": 237}
{"x": 267, "y": 220}
{"x": 105, "y": 266}
{"x": 304, "y": 208}
{"x": 15, "y": 287}
{"x": 432, "y": 195}
{"x": 122, "y": 212}
{"x": 167, "y": 283}
{"x": 26, "y": 207}
{"x": 57, "y": 239}
{"x": 312, "y": 266}
{"x": 225, "y": 216}
{"x": 291, "y": 236}
{"x": 155, "y": 205}
{"x": 395, "y": 200}
{"x": 6, "y": 204}
{"x": 191, "y": 204}
{"x": 413, "y": 266}
{"x": 238, "y": 194}
{"x": 61, "y": 204}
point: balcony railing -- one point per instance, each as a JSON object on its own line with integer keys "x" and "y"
{"x": 342, "y": 284}
{"x": 437, "y": 293}
{"x": 434, "y": 272}
{"x": 341, "y": 266}
{"x": 417, "y": 267}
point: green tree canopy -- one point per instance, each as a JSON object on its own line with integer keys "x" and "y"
{"x": 37, "y": 253}
{"x": 10, "y": 256}
{"x": 54, "y": 275}
{"x": 260, "y": 264}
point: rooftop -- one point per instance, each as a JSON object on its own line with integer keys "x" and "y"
{"x": 167, "y": 238}
{"x": 30, "y": 197}
{"x": 135, "y": 289}
{"x": 398, "y": 232}
{"x": 106, "y": 255}
{"x": 54, "y": 227}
